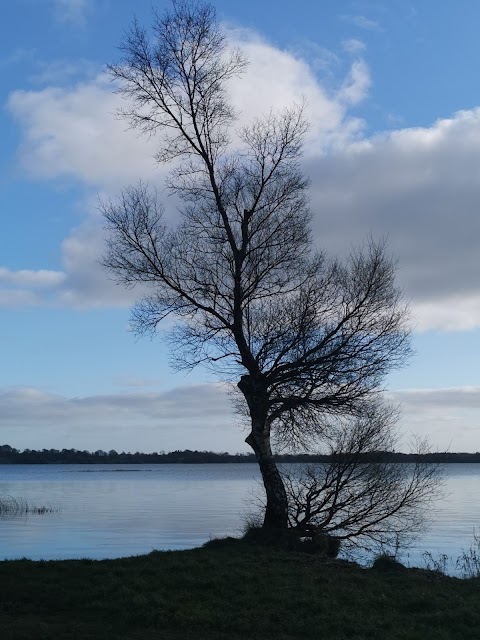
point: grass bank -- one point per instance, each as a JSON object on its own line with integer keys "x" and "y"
{"x": 232, "y": 593}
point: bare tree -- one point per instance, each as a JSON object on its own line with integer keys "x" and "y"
{"x": 361, "y": 497}
{"x": 304, "y": 336}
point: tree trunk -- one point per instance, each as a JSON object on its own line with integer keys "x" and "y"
{"x": 276, "y": 512}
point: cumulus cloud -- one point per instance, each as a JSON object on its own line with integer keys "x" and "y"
{"x": 74, "y": 132}
{"x": 196, "y": 416}
{"x": 87, "y": 284}
{"x": 419, "y": 187}
{"x": 278, "y": 78}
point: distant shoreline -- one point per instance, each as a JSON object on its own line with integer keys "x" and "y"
{"x": 9, "y": 455}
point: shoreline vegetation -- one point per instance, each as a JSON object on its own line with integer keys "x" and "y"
{"x": 236, "y": 592}
{"x": 11, "y": 507}
{"x": 10, "y": 455}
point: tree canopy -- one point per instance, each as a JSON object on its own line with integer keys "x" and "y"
{"x": 305, "y": 336}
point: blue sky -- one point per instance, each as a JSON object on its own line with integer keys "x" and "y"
{"x": 393, "y": 96}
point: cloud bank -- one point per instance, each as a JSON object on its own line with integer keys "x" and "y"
{"x": 195, "y": 417}
{"x": 419, "y": 187}
{"x": 200, "y": 417}
{"x": 449, "y": 417}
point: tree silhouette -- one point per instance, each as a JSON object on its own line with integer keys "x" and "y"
{"x": 306, "y": 337}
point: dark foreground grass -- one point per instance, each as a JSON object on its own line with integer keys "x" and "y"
{"x": 232, "y": 593}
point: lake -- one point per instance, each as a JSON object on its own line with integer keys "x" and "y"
{"x": 109, "y": 511}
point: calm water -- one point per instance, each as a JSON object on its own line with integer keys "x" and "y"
{"x": 108, "y": 511}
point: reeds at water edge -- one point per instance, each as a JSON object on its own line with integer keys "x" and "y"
{"x": 10, "y": 506}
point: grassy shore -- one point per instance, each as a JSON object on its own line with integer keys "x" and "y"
{"x": 232, "y": 593}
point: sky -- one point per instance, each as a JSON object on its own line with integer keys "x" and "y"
{"x": 393, "y": 151}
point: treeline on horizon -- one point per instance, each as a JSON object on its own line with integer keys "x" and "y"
{"x": 10, "y": 455}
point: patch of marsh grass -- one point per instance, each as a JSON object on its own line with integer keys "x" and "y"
{"x": 469, "y": 561}
{"x": 467, "y": 565}
{"x": 438, "y": 563}
{"x": 11, "y": 507}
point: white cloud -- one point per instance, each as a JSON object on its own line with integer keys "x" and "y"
{"x": 449, "y": 417}
{"x": 13, "y": 298}
{"x": 355, "y": 87}
{"x": 354, "y": 46}
{"x": 420, "y": 187}
{"x": 200, "y": 416}
{"x": 28, "y": 287}
{"x": 31, "y": 278}
{"x": 452, "y": 398}
{"x": 278, "y": 78}
{"x": 196, "y": 416}
{"x": 74, "y": 132}
{"x": 21, "y": 405}
{"x": 459, "y": 312}
{"x": 362, "y": 22}
{"x": 87, "y": 284}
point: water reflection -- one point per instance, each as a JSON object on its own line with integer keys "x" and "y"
{"x": 107, "y": 512}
